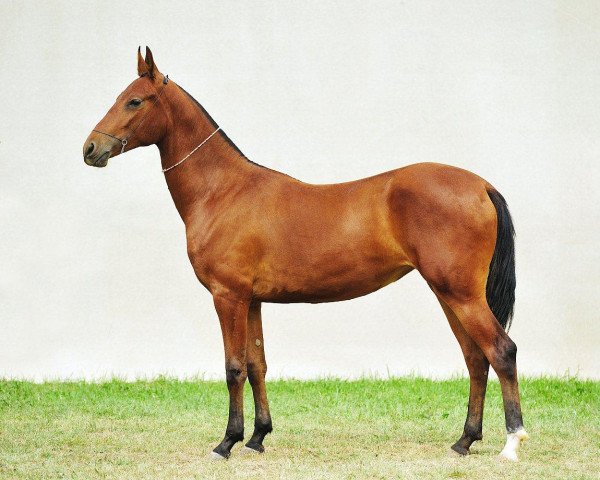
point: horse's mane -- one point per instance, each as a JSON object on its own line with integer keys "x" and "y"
{"x": 214, "y": 124}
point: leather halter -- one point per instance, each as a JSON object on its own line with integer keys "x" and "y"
{"x": 123, "y": 141}
{"x": 132, "y": 132}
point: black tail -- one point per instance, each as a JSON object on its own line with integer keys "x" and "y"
{"x": 501, "y": 282}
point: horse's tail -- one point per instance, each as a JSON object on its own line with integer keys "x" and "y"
{"x": 501, "y": 281}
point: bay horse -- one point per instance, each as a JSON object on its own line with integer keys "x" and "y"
{"x": 256, "y": 235}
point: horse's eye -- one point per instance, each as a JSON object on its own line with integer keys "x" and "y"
{"x": 135, "y": 102}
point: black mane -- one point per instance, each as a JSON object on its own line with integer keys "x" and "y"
{"x": 214, "y": 124}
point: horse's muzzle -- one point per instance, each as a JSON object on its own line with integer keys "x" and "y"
{"x": 99, "y": 162}
{"x": 95, "y": 156}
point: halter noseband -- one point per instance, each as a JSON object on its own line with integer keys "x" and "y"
{"x": 123, "y": 141}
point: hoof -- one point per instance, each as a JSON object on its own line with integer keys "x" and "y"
{"x": 216, "y": 456}
{"x": 459, "y": 451}
{"x": 513, "y": 442}
{"x": 454, "y": 454}
{"x": 508, "y": 456}
{"x": 251, "y": 451}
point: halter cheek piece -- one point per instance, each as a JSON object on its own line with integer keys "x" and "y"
{"x": 123, "y": 141}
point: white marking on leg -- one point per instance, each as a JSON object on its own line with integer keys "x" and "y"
{"x": 513, "y": 441}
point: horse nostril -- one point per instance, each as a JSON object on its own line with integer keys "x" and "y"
{"x": 90, "y": 149}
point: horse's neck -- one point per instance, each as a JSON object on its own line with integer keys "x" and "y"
{"x": 215, "y": 171}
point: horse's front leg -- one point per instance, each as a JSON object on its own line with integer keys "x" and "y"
{"x": 233, "y": 316}
{"x": 257, "y": 369}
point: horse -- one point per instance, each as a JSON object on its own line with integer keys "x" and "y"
{"x": 256, "y": 235}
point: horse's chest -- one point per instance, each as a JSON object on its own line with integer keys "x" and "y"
{"x": 222, "y": 262}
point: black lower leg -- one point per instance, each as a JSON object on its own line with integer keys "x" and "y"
{"x": 236, "y": 376}
{"x": 470, "y": 434}
{"x": 478, "y": 366}
{"x": 513, "y": 416}
{"x": 233, "y": 434}
{"x": 261, "y": 429}
{"x": 506, "y": 368}
{"x": 478, "y": 370}
{"x": 262, "y": 417}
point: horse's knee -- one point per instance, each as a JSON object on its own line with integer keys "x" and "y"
{"x": 235, "y": 372}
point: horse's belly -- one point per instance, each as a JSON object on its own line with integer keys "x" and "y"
{"x": 326, "y": 286}
{"x": 341, "y": 249}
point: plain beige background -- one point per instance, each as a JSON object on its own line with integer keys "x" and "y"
{"x": 94, "y": 277}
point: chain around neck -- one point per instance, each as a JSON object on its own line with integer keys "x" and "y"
{"x": 192, "y": 152}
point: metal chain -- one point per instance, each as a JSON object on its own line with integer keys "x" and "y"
{"x": 192, "y": 152}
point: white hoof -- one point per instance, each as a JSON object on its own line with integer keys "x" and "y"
{"x": 249, "y": 451}
{"x": 215, "y": 456}
{"x": 513, "y": 442}
{"x": 510, "y": 456}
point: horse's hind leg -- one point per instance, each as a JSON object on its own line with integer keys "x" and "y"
{"x": 257, "y": 369}
{"x": 479, "y": 323}
{"x": 478, "y": 367}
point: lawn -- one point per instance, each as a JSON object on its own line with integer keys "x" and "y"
{"x": 397, "y": 428}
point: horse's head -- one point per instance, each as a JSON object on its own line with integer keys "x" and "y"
{"x": 136, "y": 119}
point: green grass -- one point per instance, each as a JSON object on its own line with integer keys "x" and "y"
{"x": 398, "y": 428}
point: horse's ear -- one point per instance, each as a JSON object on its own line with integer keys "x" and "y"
{"x": 142, "y": 65}
{"x": 150, "y": 62}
